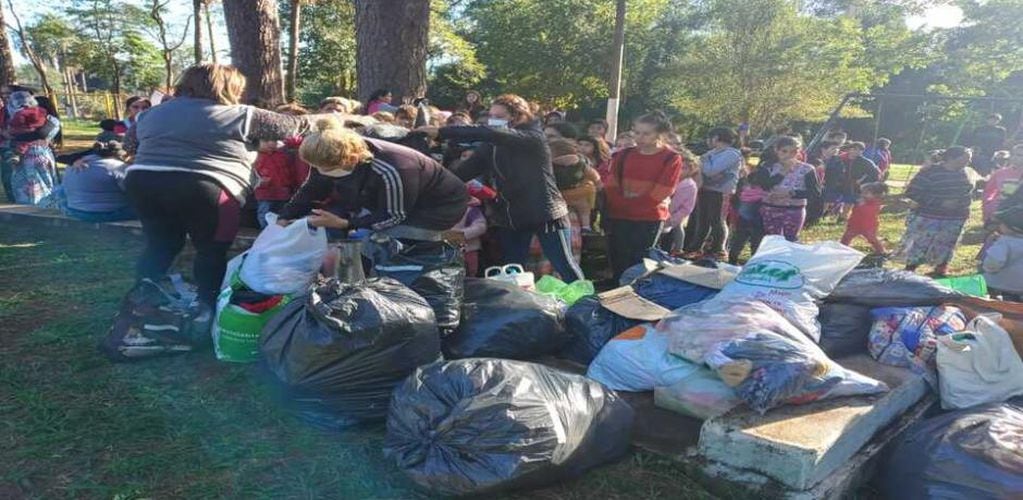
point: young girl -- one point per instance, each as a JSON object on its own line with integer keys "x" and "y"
{"x": 865, "y": 218}
{"x": 749, "y": 226}
{"x": 472, "y": 227}
{"x": 598, "y": 154}
{"x": 281, "y": 172}
{"x": 682, "y": 203}
{"x": 789, "y": 184}
{"x": 639, "y": 190}
{"x": 577, "y": 181}
{"x": 624, "y": 140}
{"x": 942, "y": 193}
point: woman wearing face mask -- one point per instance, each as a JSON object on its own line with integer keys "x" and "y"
{"x": 375, "y": 185}
{"x": 789, "y": 184}
{"x": 515, "y": 160}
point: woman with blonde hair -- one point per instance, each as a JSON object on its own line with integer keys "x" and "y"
{"x": 375, "y": 185}
{"x": 192, "y": 169}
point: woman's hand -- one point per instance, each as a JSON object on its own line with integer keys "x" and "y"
{"x": 431, "y": 132}
{"x": 323, "y": 218}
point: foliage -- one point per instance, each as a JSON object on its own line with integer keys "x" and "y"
{"x": 764, "y": 62}
{"x": 452, "y": 63}
{"x": 326, "y": 56}
{"x": 556, "y": 51}
{"x": 117, "y": 51}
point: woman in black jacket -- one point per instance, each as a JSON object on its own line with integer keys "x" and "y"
{"x": 376, "y": 185}
{"x": 514, "y": 159}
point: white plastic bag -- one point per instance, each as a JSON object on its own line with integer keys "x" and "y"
{"x": 284, "y": 260}
{"x": 701, "y": 394}
{"x": 789, "y": 277}
{"x": 638, "y": 360}
{"x": 979, "y": 365}
{"x": 512, "y": 273}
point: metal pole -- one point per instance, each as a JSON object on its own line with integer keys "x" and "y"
{"x": 615, "y": 86}
{"x": 827, "y": 124}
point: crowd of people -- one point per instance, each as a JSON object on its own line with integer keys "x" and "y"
{"x": 510, "y": 183}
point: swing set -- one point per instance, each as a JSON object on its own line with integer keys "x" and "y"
{"x": 979, "y": 106}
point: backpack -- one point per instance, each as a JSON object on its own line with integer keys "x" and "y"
{"x": 153, "y": 321}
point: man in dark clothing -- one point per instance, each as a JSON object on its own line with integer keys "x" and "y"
{"x": 987, "y": 139}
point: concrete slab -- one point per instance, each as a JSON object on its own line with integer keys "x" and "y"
{"x": 800, "y": 446}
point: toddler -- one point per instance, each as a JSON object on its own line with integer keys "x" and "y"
{"x": 281, "y": 172}
{"x": 865, "y": 217}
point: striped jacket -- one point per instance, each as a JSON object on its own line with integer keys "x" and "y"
{"x": 399, "y": 186}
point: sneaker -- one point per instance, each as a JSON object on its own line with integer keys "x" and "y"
{"x": 692, "y": 255}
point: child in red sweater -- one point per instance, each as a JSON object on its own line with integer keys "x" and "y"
{"x": 281, "y": 172}
{"x": 865, "y": 217}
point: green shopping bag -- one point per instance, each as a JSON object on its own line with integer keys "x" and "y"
{"x": 236, "y": 331}
{"x": 567, "y": 293}
{"x": 970, "y": 285}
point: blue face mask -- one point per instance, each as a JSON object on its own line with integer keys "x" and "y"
{"x": 497, "y": 123}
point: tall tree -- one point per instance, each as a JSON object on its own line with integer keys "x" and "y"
{"x": 7, "y": 75}
{"x": 294, "y": 25}
{"x": 159, "y": 31}
{"x": 26, "y": 48}
{"x": 197, "y": 29}
{"x": 252, "y": 28}
{"x": 209, "y": 30}
{"x": 392, "y": 38}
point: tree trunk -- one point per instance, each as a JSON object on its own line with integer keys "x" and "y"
{"x": 209, "y": 29}
{"x": 117, "y": 89}
{"x": 296, "y": 23}
{"x": 7, "y": 75}
{"x": 391, "y": 43}
{"x": 255, "y": 37}
{"x": 168, "y": 67}
{"x": 69, "y": 78}
{"x": 197, "y": 13}
{"x": 85, "y": 83}
{"x": 30, "y": 52}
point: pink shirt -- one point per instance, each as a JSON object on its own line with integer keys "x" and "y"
{"x": 1000, "y": 185}
{"x": 682, "y": 202}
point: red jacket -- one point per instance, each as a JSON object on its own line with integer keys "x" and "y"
{"x": 281, "y": 173}
{"x": 640, "y": 186}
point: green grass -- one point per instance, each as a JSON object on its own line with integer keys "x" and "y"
{"x": 74, "y": 425}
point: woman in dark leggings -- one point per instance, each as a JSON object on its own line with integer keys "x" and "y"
{"x": 720, "y": 167}
{"x": 191, "y": 170}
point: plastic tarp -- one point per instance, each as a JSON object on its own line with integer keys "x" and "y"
{"x": 477, "y": 426}
{"x": 638, "y": 360}
{"x": 973, "y": 453}
{"x": 501, "y": 320}
{"x": 340, "y": 353}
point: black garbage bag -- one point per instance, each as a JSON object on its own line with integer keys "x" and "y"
{"x": 501, "y": 320}
{"x": 670, "y": 293}
{"x": 890, "y": 288}
{"x": 844, "y": 328}
{"x": 340, "y": 353}
{"x": 590, "y": 326}
{"x": 477, "y": 426}
{"x": 971, "y": 453}
{"x": 433, "y": 269}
